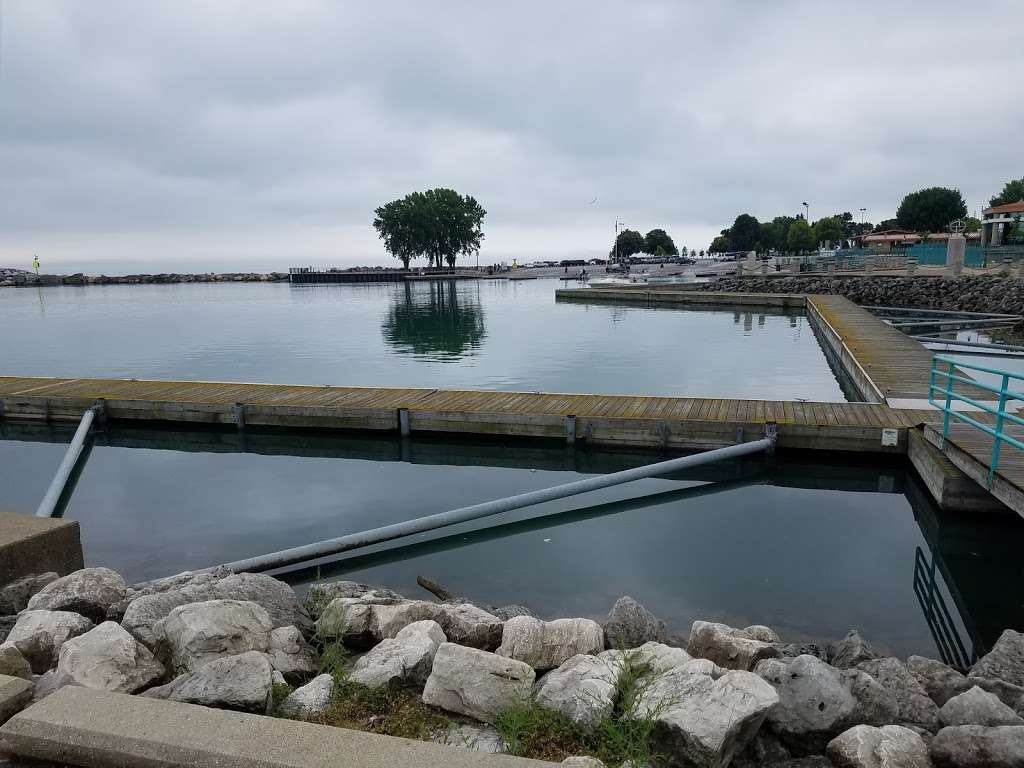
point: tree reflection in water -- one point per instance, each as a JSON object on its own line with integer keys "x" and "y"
{"x": 436, "y": 321}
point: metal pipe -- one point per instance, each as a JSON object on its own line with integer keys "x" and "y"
{"x": 930, "y": 339}
{"x": 486, "y": 509}
{"x": 53, "y": 494}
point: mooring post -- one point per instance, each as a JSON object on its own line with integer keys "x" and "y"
{"x": 240, "y": 416}
{"x": 403, "y": 422}
{"x": 570, "y": 430}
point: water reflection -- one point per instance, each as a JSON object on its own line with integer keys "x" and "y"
{"x": 436, "y": 320}
{"x": 810, "y": 545}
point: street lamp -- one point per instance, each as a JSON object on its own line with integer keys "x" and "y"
{"x": 617, "y": 225}
{"x": 862, "y": 214}
{"x": 807, "y": 213}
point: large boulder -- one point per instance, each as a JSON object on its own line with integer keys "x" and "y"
{"x": 291, "y": 655}
{"x": 13, "y": 664}
{"x": 583, "y": 688}
{"x": 851, "y": 651}
{"x": 38, "y": 635}
{"x": 728, "y": 647}
{"x": 14, "y": 596}
{"x": 197, "y": 633}
{"x": 915, "y": 706}
{"x": 890, "y": 746}
{"x": 362, "y": 622}
{"x": 657, "y": 658}
{"x": 406, "y": 658}
{"x": 320, "y": 594}
{"x": 547, "y": 644}
{"x": 175, "y": 583}
{"x": 630, "y": 625}
{"x": 311, "y": 700}
{"x": 978, "y": 707}
{"x": 107, "y": 658}
{"x": 704, "y": 715}
{"x": 479, "y": 738}
{"x": 818, "y": 702}
{"x": 155, "y": 600}
{"x": 476, "y": 683}
{"x": 1004, "y": 662}
{"x": 975, "y": 746}
{"x": 89, "y": 592}
{"x": 940, "y": 681}
{"x": 242, "y": 682}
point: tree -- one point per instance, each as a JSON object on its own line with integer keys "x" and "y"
{"x": 1012, "y": 192}
{"x": 972, "y": 224}
{"x": 658, "y": 238}
{"x": 829, "y": 230}
{"x": 440, "y": 224}
{"x": 885, "y": 225}
{"x": 745, "y": 233}
{"x": 720, "y": 244}
{"x": 629, "y": 242}
{"x": 800, "y": 237}
{"x": 931, "y": 209}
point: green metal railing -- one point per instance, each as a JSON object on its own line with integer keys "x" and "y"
{"x": 950, "y": 371}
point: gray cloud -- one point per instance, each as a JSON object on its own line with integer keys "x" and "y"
{"x": 232, "y": 131}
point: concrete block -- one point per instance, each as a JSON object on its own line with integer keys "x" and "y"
{"x": 952, "y": 489}
{"x": 98, "y": 728}
{"x": 15, "y": 693}
{"x": 30, "y": 544}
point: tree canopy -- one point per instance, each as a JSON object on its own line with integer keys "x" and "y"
{"x": 1012, "y": 192}
{"x": 658, "y": 238}
{"x": 745, "y": 233}
{"x": 439, "y": 224}
{"x": 800, "y": 236}
{"x": 931, "y": 209}
{"x": 830, "y": 230}
{"x": 719, "y": 245}
{"x": 629, "y": 242}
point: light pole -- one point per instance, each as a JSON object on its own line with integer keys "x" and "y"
{"x": 807, "y": 213}
{"x": 617, "y": 225}
{"x": 862, "y": 214}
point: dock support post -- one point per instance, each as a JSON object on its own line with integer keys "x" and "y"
{"x": 403, "y": 422}
{"x": 570, "y": 430}
{"x": 240, "y": 416}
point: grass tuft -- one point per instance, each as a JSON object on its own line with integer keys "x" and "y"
{"x": 391, "y": 710}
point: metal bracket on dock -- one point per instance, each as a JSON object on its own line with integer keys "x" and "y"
{"x": 100, "y": 409}
{"x": 403, "y": 422}
{"x": 570, "y": 430}
{"x": 239, "y": 411}
{"x": 771, "y": 432}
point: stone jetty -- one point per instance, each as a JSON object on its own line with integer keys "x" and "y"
{"x": 16, "y": 278}
{"x": 738, "y": 696}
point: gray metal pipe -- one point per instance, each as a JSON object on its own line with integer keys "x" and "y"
{"x": 930, "y": 339}
{"x": 351, "y": 541}
{"x": 60, "y": 480}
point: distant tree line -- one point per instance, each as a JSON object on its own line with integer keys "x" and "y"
{"x": 657, "y": 242}
{"x": 926, "y": 210}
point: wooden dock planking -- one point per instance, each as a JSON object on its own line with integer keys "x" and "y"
{"x": 629, "y": 420}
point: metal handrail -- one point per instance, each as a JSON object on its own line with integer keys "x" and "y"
{"x": 999, "y": 410}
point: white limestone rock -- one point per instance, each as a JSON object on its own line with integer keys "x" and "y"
{"x": 978, "y": 707}
{"x": 88, "y": 592}
{"x": 705, "y": 715}
{"x": 476, "y": 683}
{"x": 939, "y": 681}
{"x": 13, "y": 664}
{"x": 890, "y": 746}
{"x": 479, "y": 738}
{"x": 658, "y": 658}
{"x": 851, "y": 651}
{"x": 197, "y": 633}
{"x": 584, "y": 688}
{"x": 14, "y": 596}
{"x": 242, "y": 682}
{"x": 406, "y": 658}
{"x": 291, "y": 655}
{"x": 630, "y": 625}
{"x": 107, "y": 658}
{"x": 578, "y": 761}
{"x": 977, "y": 746}
{"x": 729, "y": 647}
{"x": 311, "y": 700}
{"x": 547, "y": 644}
{"x": 915, "y": 706}
{"x": 38, "y": 635}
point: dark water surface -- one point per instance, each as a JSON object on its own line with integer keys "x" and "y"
{"x": 487, "y": 334}
{"x": 808, "y": 546}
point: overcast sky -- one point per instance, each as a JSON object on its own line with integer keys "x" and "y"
{"x": 189, "y": 134}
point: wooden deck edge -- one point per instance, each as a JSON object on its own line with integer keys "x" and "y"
{"x": 1002, "y": 489}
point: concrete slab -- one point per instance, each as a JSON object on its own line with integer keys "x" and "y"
{"x": 15, "y": 693}
{"x": 30, "y": 544}
{"x": 97, "y": 728}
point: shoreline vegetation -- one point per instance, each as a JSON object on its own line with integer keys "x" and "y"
{"x": 617, "y": 692}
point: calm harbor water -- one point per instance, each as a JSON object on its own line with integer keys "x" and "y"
{"x": 492, "y": 334}
{"x": 810, "y": 545}
{"x": 812, "y": 549}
